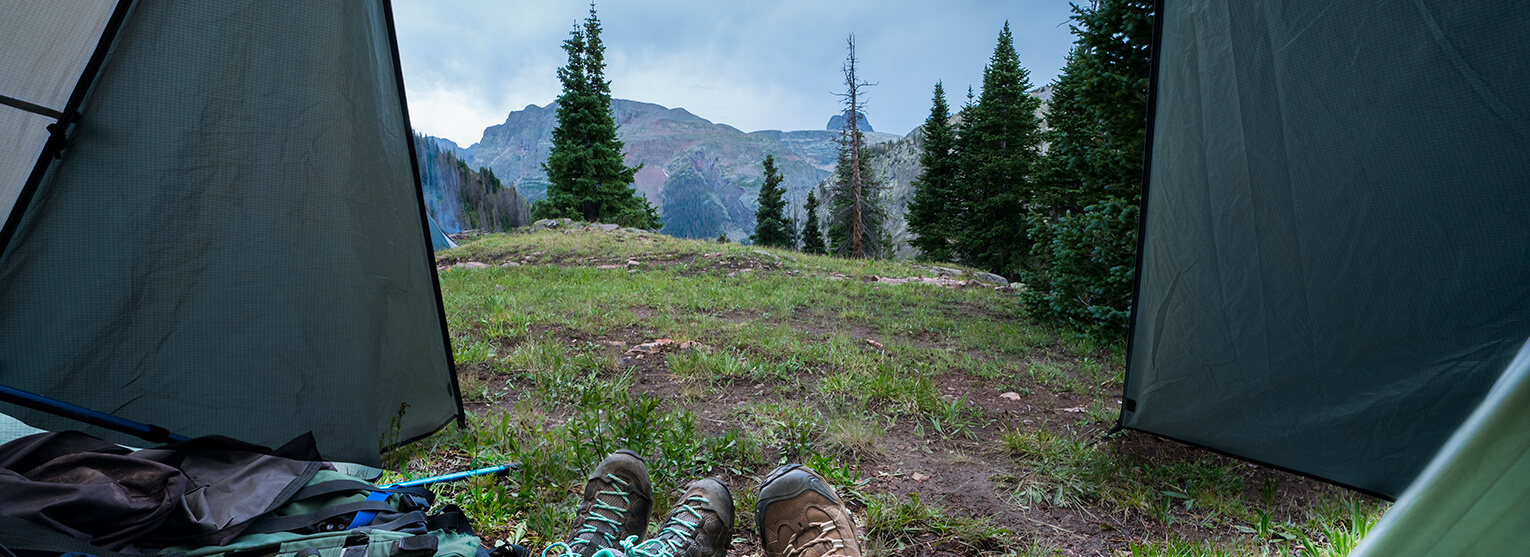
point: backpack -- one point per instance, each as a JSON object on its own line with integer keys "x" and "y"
{"x": 332, "y": 515}
{"x": 337, "y": 515}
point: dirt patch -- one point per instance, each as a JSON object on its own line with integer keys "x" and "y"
{"x": 967, "y": 472}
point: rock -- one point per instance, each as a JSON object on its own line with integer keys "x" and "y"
{"x": 546, "y": 224}
{"x": 633, "y": 262}
{"x": 918, "y": 477}
{"x": 608, "y": 227}
{"x": 470, "y": 265}
{"x": 650, "y": 347}
{"x": 610, "y": 267}
{"x": 990, "y": 278}
{"x": 1011, "y": 396}
{"x": 873, "y": 343}
{"x": 767, "y": 254}
{"x": 632, "y": 231}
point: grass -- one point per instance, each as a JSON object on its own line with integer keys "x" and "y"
{"x": 808, "y": 359}
{"x": 893, "y": 521}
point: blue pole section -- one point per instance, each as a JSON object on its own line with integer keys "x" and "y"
{"x": 151, "y": 433}
{"x": 455, "y": 476}
{"x": 364, "y": 518}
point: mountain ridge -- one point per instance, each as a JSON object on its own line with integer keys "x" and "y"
{"x": 704, "y": 177}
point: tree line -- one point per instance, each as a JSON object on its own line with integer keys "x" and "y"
{"x": 1053, "y": 207}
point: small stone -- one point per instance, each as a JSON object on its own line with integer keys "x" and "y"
{"x": 608, "y": 227}
{"x": 990, "y": 278}
{"x": 1010, "y": 396}
{"x": 470, "y": 265}
{"x": 918, "y": 477}
{"x": 1075, "y": 409}
{"x": 874, "y": 343}
{"x": 608, "y": 267}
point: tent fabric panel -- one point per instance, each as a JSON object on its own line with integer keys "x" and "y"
{"x": 438, "y": 239}
{"x": 44, "y": 46}
{"x": 22, "y": 136}
{"x": 1332, "y": 272}
{"x": 233, "y": 244}
{"x": 1474, "y": 497}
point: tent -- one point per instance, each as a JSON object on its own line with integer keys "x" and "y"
{"x": 1474, "y": 497}
{"x": 213, "y": 223}
{"x": 1335, "y": 254}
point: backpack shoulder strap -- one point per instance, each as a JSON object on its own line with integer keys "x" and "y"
{"x": 18, "y": 534}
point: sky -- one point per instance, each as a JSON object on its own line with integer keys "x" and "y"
{"x": 753, "y": 65}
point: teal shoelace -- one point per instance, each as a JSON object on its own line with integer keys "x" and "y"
{"x": 661, "y": 546}
{"x": 617, "y": 513}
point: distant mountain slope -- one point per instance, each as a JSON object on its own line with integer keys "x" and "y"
{"x": 703, "y": 177}
{"x": 460, "y": 198}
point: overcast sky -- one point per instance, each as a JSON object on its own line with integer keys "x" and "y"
{"x": 754, "y": 65}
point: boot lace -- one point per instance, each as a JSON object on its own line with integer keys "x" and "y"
{"x": 671, "y": 545}
{"x": 593, "y": 519}
{"x": 825, "y": 528}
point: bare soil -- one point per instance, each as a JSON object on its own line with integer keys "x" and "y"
{"x": 974, "y": 478}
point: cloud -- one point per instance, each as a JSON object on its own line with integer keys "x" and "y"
{"x": 752, "y": 65}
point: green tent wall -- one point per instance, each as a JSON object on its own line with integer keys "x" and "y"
{"x": 233, "y": 241}
{"x": 1335, "y": 262}
{"x": 1474, "y": 497}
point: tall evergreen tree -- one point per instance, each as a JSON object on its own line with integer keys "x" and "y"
{"x": 1085, "y": 227}
{"x": 771, "y": 227}
{"x": 587, "y": 178}
{"x": 812, "y": 237}
{"x": 855, "y": 211}
{"x": 931, "y": 210}
{"x": 998, "y": 147}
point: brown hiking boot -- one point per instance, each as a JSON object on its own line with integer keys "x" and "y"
{"x": 617, "y": 499}
{"x": 800, "y": 515}
{"x": 700, "y": 525}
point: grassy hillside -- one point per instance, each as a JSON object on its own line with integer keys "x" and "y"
{"x": 953, "y": 424}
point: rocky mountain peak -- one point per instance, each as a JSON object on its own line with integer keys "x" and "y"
{"x": 837, "y": 122}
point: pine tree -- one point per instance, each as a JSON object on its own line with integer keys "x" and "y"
{"x": 930, "y": 211}
{"x": 998, "y": 147}
{"x": 812, "y": 237}
{"x": 587, "y": 178}
{"x": 1085, "y": 226}
{"x": 855, "y": 212}
{"x": 771, "y": 228}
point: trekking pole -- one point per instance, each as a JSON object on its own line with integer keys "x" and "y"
{"x": 150, "y": 433}
{"x": 364, "y": 518}
{"x": 455, "y": 476}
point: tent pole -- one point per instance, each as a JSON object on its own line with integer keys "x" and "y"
{"x": 151, "y": 433}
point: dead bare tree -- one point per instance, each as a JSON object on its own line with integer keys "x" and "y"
{"x": 855, "y": 206}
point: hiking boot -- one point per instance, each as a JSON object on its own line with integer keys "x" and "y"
{"x": 617, "y": 499}
{"x": 800, "y": 515}
{"x": 700, "y": 525}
